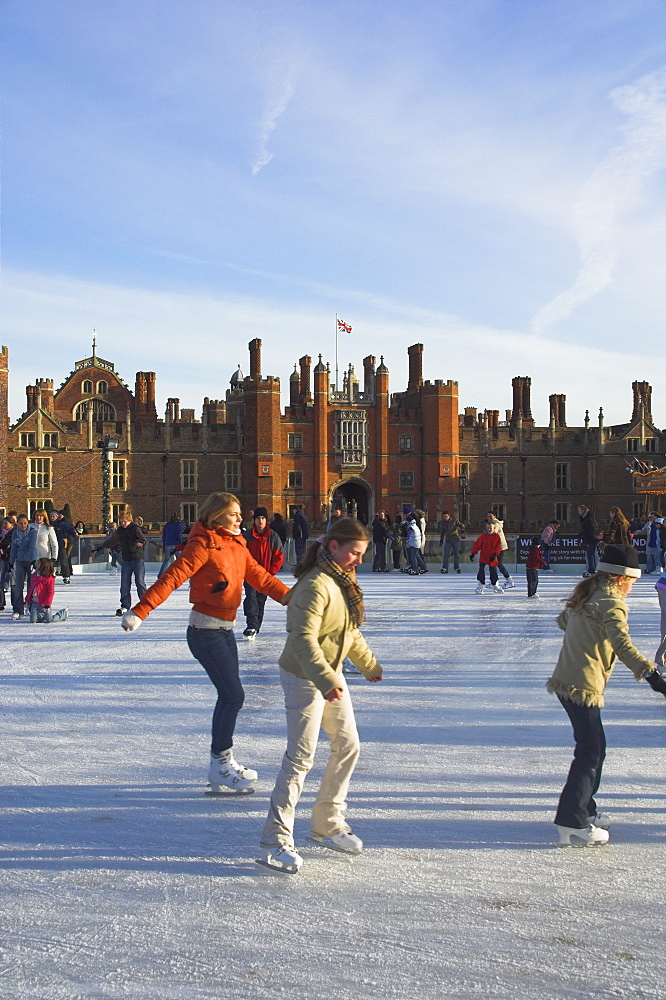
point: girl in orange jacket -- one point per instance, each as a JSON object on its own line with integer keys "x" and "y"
{"x": 216, "y": 561}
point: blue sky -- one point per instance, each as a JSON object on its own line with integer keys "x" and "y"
{"x": 485, "y": 177}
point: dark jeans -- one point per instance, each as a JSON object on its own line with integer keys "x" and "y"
{"x": 396, "y": 558}
{"x": 64, "y": 562}
{"x": 299, "y": 545}
{"x": 532, "y": 581}
{"x": 216, "y": 651}
{"x": 132, "y": 568}
{"x": 253, "y": 607}
{"x": 501, "y": 567}
{"x": 591, "y": 557}
{"x": 492, "y": 571}
{"x": 5, "y": 580}
{"x": 545, "y": 552}
{"x": 577, "y": 803}
{"x": 416, "y": 560}
{"x": 451, "y": 546}
{"x": 22, "y": 574}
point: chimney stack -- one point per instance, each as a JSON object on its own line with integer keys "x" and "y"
{"x": 255, "y": 359}
{"x": 415, "y": 353}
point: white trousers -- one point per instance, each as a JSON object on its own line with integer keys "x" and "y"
{"x": 307, "y": 713}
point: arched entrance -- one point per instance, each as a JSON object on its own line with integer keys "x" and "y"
{"x": 355, "y": 499}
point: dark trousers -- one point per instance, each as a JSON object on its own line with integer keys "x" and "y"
{"x": 253, "y": 607}
{"x": 299, "y": 545}
{"x": 379, "y": 560}
{"x": 545, "y": 552}
{"x": 396, "y": 558}
{"x": 591, "y": 557}
{"x": 64, "y": 562}
{"x": 451, "y": 545}
{"x": 492, "y": 571}
{"x": 216, "y": 651}
{"x": 132, "y": 568}
{"x": 501, "y": 567}
{"x": 532, "y": 581}
{"x": 22, "y": 574}
{"x": 577, "y": 803}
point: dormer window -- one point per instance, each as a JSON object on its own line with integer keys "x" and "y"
{"x": 102, "y": 388}
{"x": 87, "y": 387}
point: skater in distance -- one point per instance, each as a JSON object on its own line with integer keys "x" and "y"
{"x": 216, "y": 561}
{"x": 324, "y": 616}
{"x": 595, "y": 628}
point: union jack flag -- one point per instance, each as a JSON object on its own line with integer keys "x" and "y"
{"x": 344, "y": 326}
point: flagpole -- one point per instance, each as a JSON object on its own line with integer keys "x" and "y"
{"x": 336, "y": 352}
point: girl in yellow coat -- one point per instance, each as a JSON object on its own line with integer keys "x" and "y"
{"x": 595, "y": 628}
{"x": 323, "y": 617}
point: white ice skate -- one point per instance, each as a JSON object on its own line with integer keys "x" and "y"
{"x": 345, "y": 842}
{"x": 589, "y": 836}
{"x": 250, "y": 633}
{"x": 497, "y": 589}
{"x": 225, "y": 779}
{"x": 479, "y": 589}
{"x": 286, "y": 860}
{"x": 509, "y": 583}
{"x": 600, "y": 820}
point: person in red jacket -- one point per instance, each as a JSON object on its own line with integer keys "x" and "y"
{"x": 266, "y": 547}
{"x": 215, "y": 560}
{"x": 533, "y": 564}
{"x": 489, "y": 546}
{"x": 41, "y": 592}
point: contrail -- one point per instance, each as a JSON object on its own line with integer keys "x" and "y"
{"x": 613, "y": 189}
{"x": 276, "y": 106}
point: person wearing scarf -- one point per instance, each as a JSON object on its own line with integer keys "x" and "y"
{"x": 324, "y": 615}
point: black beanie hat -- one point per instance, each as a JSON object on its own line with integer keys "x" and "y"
{"x": 620, "y": 560}
{"x": 260, "y": 512}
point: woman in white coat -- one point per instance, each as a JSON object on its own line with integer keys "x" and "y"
{"x": 43, "y": 540}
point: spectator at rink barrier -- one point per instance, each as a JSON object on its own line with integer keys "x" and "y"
{"x": 547, "y": 538}
{"x": 41, "y": 593}
{"x": 499, "y": 529}
{"x": 650, "y": 531}
{"x": 131, "y": 541}
{"x": 266, "y": 549}
{"x": 279, "y": 527}
{"x": 300, "y": 530}
{"x": 21, "y": 564}
{"x": 379, "y": 536}
{"x": 216, "y": 561}
{"x": 594, "y": 623}
{"x": 589, "y": 529}
{"x": 397, "y": 542}
{"x": 488, "y": 546}
{"x": 324, "y": 616}
{"x": 43, "y": 541}
{"x": 617, "y": 532}
{"x": 5, "y": 572}
{"x": 172, "y": 533}
{"x": 450, "y": 533}
{"x": 66, "y": 536}
{"x": 533, "y": 564}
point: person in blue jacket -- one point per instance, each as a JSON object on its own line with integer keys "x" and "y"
{"x": 172, "y": 533}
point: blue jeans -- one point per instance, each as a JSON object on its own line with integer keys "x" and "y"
{"x": 299, "y": 545}
{"x": 132, "y": 568}
{"x": 545, "y": 552}
{"x": 253, "y": 607}
{"x": 169, "y": 554}
{"x": 451, "y": 546}
{"x": 22, "y": 574}
{"x": 577, "y": 803}
{"x": 591, "y": 557}
{"x": 216, "y": 651}
{"x": 651, "y": 559}
{"x": 42, "y": 614}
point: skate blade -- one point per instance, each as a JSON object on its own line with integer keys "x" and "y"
{"x": 332, "y": 847}
{"x": 275, "y": 868}
{"x": 216, "y": 791}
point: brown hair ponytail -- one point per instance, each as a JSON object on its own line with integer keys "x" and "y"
{"x": 345, "y": 529}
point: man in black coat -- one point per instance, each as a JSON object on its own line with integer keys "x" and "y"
{"x": 379, "y": 536}
{"x": 132, "y": 542}
{"x": 300, "y": 530}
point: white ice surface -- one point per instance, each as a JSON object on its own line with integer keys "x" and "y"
{"x": 120, "y": 879}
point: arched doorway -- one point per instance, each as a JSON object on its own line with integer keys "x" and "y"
{"x": 354, "y": 497}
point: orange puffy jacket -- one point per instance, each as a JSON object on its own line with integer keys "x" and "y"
{"x": 212, "y": 558}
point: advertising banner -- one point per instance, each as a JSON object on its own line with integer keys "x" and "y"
{"x": 566, "y": 549}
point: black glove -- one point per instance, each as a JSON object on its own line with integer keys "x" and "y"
{"x": 656, "y": 682}
{"x": 471, "y": 557}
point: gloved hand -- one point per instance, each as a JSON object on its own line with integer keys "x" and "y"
{"x": 657, "y": 682}
{"x": 130, "y": 622}
{"x": 471, "y": 556}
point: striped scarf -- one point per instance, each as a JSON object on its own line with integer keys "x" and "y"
{"x": 347, "y": 582}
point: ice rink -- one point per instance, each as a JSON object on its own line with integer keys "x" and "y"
{"x": 120, "y": 879}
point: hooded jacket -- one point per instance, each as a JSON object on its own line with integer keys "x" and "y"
{"x": 489, "y": 547}
{"x": 594, "y": 636}
{"x": 41, "y": 590}
{"x": 265, "y": 548}
{"x": 216, "y": 563}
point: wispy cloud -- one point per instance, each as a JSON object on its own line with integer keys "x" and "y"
{"x": 613, "y": 189}
{"x": 276, "y": 106}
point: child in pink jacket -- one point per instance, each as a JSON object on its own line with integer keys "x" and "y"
{"x": 40, "y": 594}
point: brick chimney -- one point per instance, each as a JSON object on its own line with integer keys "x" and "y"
{"x": 415, "y": 353}
{"x": 255, "y": 359}
{"x": 305, "y": 364}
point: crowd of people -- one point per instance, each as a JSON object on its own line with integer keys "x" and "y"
{"x": 226, "y": 563}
